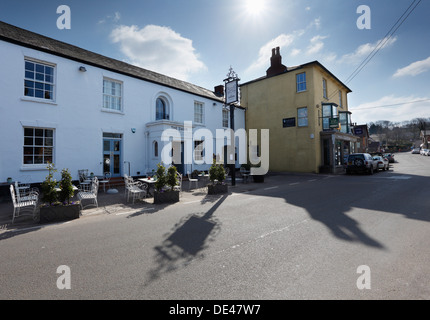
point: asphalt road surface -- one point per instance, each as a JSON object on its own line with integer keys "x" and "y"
{"x": 297, "y": 236}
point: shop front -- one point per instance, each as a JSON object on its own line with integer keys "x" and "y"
{"x": 335, "y": 148}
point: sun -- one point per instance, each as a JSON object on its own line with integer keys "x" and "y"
{"x": 254, "y": 7}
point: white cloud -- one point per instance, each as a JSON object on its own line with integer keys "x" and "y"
{"x": 414, "y": 68}
{"x": 159, "y": 49}
{"x": 295, "y": 52}
{"x": 283, "y": 41}
{"x": 316, "y": 45}
{"x": 391, "y": 108}
{"x": 365, "y": 49}
{"x": 115, "y": 18}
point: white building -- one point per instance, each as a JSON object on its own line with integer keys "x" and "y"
{"x": 81, "y": 110}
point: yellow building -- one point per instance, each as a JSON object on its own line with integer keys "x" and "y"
{"x": 306, "y": 110}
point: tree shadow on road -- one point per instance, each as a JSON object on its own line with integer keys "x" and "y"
{"x": 187, "y": 240}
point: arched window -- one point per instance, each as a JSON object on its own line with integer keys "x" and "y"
{"x": 155, "y": 149}
{"x": 161, "y": 109}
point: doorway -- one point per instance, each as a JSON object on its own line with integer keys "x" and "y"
{"x": 112, "y": 145}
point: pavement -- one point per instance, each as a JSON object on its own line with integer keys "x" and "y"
{"x": 116, "y": 203}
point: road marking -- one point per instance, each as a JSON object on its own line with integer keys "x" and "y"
{"x": 294, "y": 184}
{"x": 276, "y": 187}
{"x": 134, "y": 211}
{"x": 312, "y": 180}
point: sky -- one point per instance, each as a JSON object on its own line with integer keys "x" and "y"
{"x": 199, "y": 40}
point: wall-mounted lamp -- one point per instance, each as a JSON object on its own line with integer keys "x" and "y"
{"x": 214, "y": 104}
{"x": 82, "y": 69}
{"x": 133, "y": 130}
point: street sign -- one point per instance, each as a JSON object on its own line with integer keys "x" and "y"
{"x": 231, "y": 89}
{"x": 334, "y": 122}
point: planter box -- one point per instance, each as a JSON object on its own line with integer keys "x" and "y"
{"x": 59, "y": 213}
{"x": 217, "y": 188}
{"x": 166, "y": 197}
{"x": 258, "y": 178}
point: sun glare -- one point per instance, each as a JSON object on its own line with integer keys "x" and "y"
{"x": 254, "y": 7}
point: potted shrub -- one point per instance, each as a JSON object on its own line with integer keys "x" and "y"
{"x": 57, "y": 205}
{"x": 217, "y": 177}
{"x": 164, "y": 185}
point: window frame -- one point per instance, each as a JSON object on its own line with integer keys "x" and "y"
{"x": 43, "y": 82}
{"x": 35, "y": 145}
{"x": 300, "y": 82}
{"x": 113, "y": 96}
{"x": 166, "y": 109}
{"x": 225, "y": 121}
{"x": 199, "y": 115}
{"x": 302, "y": 118}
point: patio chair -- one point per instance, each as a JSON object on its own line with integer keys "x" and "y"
{"x": 245, "y": 174}
{"x": 90, "y": 195}
{"x": 136, "y": 189}
{"x": 105, "y": 181}
{"x": 192, "y": 180}
{"x": 84, "y": 180}
{"x": 23, "y": 206}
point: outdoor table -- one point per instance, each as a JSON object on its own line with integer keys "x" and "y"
{"x": 149, "y": 182}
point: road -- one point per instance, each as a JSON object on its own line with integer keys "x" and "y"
{"x": 297, "y": 236}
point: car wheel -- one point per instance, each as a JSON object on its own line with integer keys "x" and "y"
{"x": 371, "y": 170}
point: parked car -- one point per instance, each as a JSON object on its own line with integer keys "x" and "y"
{"x": 361, "y": 163}
{"x": 416, "y": 151}
{"x": 427, "y": 153}
{"x": 389, "y": 156}
{"x": 424, "y": 152}
{"x": 382, "y": 162}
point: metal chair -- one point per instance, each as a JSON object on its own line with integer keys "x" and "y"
{"x": 84, "y": 181}
{"x": 106, "y": 179}
{"x": 90, "y": 195}
{"x": 136, "y": 189}
{"x": 245, "y": 174}
{"x": 23, "y": 204}
{"x": 192, "y": 180}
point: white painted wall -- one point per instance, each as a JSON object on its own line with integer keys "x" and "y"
{"x": 79, "y": 119}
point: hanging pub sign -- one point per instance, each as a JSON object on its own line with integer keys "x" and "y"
{"x": 231, "y": 91}
{"x": 334, "y": 122}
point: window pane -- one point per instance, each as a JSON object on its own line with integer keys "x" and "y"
{"x": 28, "y": 131}
{"x": 28, "y": 141}
{"x": 29, "y": 66}
{"x": 49, "y": 133}
{"x": 38, "y": 132}
{"x": 38, "y": 94}
{"x": 28, "y": 150}
{"x": 49, "y": 142}
{"x": 40, "y": 76}
{"x": 28, "y": 159}
{"x": 106, "y": 145}
{"x": 29, "y": 75}
{"x": 40, "y": 68}
{"x": 38, "y": 159}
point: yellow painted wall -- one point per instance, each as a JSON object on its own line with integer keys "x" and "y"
{"x": 270, "y": 100}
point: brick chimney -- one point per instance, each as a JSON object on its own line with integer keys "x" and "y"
{"x": 276, "y": 66}
{"x": 219, "y": 91}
